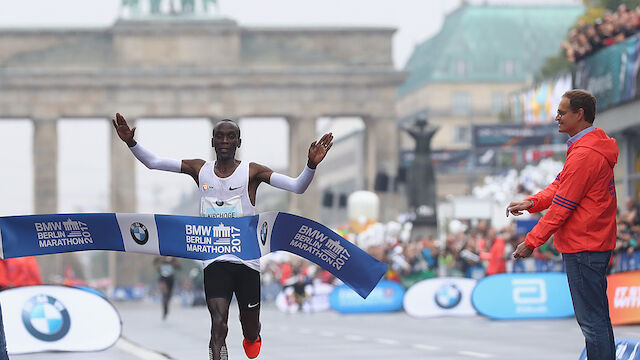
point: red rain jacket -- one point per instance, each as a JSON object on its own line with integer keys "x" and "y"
{"x": 582, "y": 200}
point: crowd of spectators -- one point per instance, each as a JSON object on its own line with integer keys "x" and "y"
{"x": 478, "y": 251}
{"x": 612, "y": 28}
{"x": 472, "y": 249}
{"x": 627, "y": 251}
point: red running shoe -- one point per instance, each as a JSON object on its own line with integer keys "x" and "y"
{"x": 252, "y": 348}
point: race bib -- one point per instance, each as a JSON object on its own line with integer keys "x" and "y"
{"x": 216, "y": 208}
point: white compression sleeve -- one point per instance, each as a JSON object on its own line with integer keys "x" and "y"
{"x": 297, "y": 185}
{"x": 151, "y": 161}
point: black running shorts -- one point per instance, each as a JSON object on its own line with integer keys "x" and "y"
{"x": 222, "y": 279}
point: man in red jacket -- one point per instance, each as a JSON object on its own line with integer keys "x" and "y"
{"x": 582, "y": 214}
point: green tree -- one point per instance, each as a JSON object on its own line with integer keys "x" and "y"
{"x": 553, "y": 66}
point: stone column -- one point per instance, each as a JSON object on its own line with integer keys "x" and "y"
{"x": 381, "y": 156}
{"x": 123, "y": 178}
{"x": 45, "y": 165}
{"x": 123, "y": 199}
{"x": 45, "y": 186}
{"x": 302, "y": 132}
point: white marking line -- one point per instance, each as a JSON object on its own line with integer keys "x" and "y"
{"x": 387, "y": 341}
{"x": 425, "y": 347}
{"x": 475, "y": 354}
{"x": 354, "y": 337}
{"x": 328, "y": 334}
{"x": 305, "y": 331}
{"x": 138, "y": 351}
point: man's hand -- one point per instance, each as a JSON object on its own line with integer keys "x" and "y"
{"x": 522, "y": 251}
{"x": 123, "y": 130}
{"x": 516, "y": 207}
{"x": 318, "y": 150}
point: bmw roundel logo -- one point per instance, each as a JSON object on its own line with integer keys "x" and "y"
{"x": 46, "y": 318}
{"x": 219, "y": 202}
{"x": 139, "y": 233}
{"x": 264, "y": 231}
{"x": 448, "y": 296}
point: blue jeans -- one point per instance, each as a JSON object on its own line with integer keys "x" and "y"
{"x": 587, "y": 275}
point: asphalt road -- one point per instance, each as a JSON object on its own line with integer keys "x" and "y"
{"x": 330, "y": 335}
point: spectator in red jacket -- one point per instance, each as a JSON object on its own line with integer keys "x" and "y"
{"x": 582, "y": 215}
{"x": 497, "y": 262}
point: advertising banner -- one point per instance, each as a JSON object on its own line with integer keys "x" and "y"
{"x": 57, "y": 318}
{"x": 523, "y": 296}
{"x": 626, "y": 349}
{"x": 504, "y": 135}
{"x": 386, "y": 297}
{"x": 610, "y": 74}
{"x": 440, "y": 297}
{"x": 192, "y": 237}
{"x": 623, "y": 291}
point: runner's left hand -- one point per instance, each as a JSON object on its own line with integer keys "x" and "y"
{"x": 318, "y": 150}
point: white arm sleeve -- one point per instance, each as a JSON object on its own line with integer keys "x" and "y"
{"x": 151, "y": 161}
{"x": 297, "y": 185}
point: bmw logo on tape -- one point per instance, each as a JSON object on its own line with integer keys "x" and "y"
{"x": 264, "y": 230}
{"x": 139, "y": 233}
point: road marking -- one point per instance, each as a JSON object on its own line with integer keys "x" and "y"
{"x": 425, "y": 347}
{"x": 354, "y": 337}
{"x": 305, "y": 331}
{"x": 475, "y": 354}
{"x": 328, "y": 334}
{"x": 139, "y": 351}
{"x": 387, "y": 341}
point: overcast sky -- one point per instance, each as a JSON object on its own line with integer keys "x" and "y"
{"x": 83, "y": 145}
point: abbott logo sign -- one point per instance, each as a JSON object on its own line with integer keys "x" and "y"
{"x": 529, "y": 295}
{"x": 523, "y": 296}
{"x": 529, "y": 291}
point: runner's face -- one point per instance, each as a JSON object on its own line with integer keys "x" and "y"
{"x": 225, "y": 140}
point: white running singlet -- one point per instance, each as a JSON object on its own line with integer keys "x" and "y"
{"x": 224, "y": 198}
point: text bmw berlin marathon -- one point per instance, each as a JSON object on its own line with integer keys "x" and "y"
{"x": 321, "y": 246}
{"x": 63, "y": 233}
{"x": 218, "y": 239}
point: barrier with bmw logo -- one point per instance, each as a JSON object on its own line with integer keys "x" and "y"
{"x": 626, "y": 349}
{"x": 192, "y": 237}
{"x": 385, "y": 297}
{"x": 523, "y": 296}
{"x": 57, "y": 318}
{"x": 440, "y": 297}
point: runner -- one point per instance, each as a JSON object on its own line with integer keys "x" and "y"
{"x": 228, "y": 189}
{"x": 167, "y": 267}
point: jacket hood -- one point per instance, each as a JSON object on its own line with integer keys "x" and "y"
{"x": 599, "y": 141}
